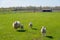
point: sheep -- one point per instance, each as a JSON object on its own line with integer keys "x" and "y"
{"x": 22, "y": 27}
{"x": 16, "y": 25}
{"x": 43, "y": 31}
{"x": 30, "y": 24}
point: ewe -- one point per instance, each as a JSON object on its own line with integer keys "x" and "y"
{"x": 16, "y": 24}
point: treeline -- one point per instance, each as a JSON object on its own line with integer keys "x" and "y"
{"x": 30, "y": 8}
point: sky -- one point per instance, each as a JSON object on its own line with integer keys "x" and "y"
{"x": 18, "y": 3}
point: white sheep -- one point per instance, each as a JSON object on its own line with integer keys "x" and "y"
{"x": 16, "y": 24}
{"x": 30, "y": 24}
{"x": 43, "y": 31}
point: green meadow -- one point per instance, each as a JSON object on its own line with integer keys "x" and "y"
{"x": 49, "y": 19}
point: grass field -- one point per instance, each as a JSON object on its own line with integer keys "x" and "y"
{"x": 50, "y": 20}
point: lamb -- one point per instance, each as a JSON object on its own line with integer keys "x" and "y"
{"x": 30, "y": 24}
{"x": 22, "y": 27}
{"x": 43, "y": 31}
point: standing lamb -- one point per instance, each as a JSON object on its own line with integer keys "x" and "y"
{"x": 16, "y": 25}
{"x": 43, "y": 31}
{"x": 30, "y": 24}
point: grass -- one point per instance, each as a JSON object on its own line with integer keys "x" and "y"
{"x": 50, "y": 20}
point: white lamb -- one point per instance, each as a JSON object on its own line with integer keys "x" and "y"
{"x": 30, "y": 24}
{"x": 43, "y": 31}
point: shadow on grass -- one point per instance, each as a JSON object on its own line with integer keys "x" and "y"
{"x": 51, "y": 37}
{"x": 34, "y": 28}
{"x": 21, "y": 30}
